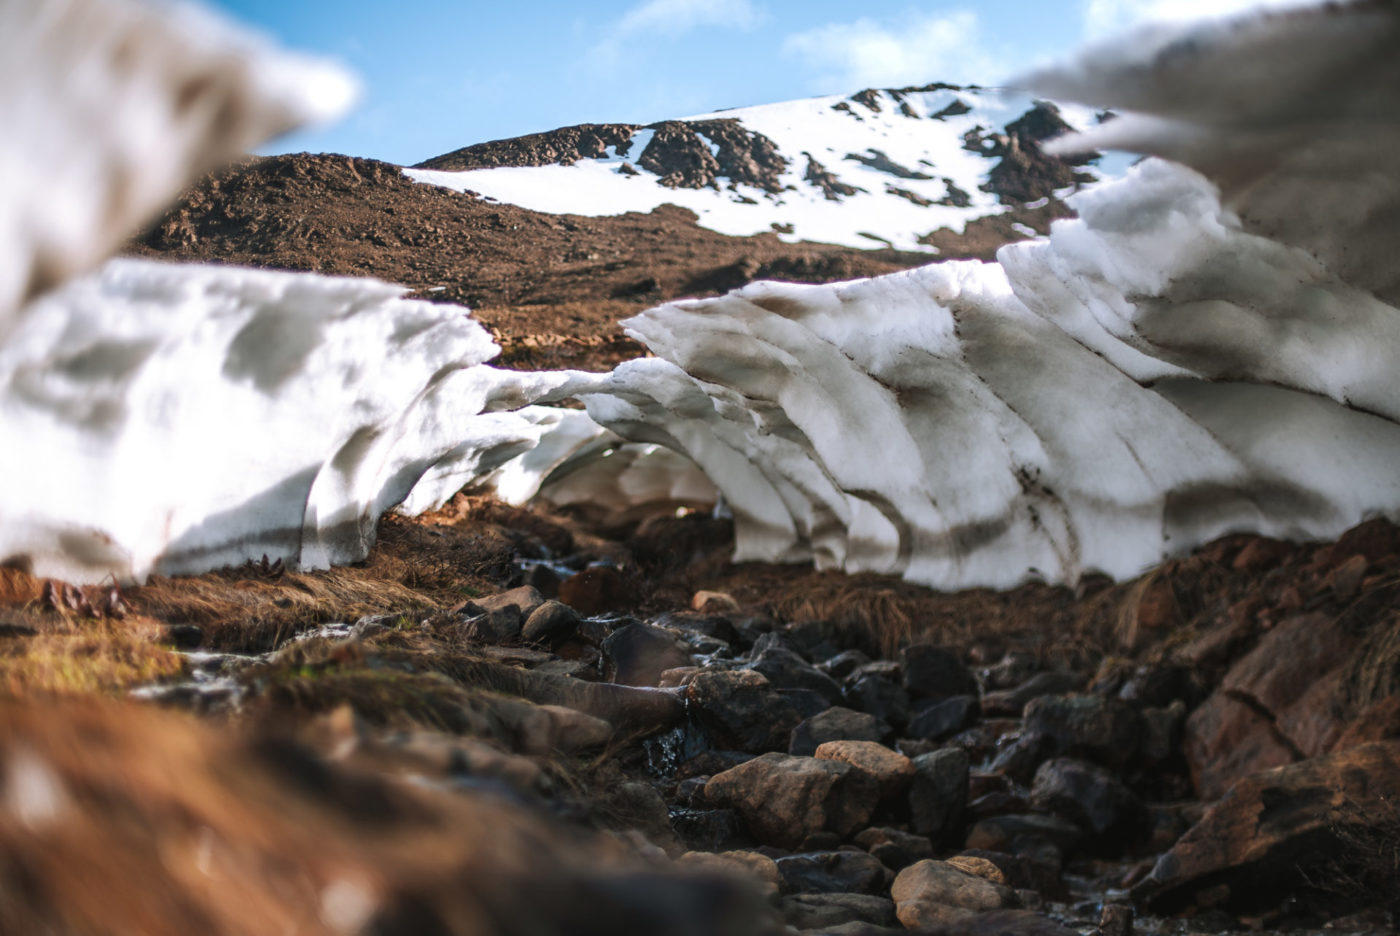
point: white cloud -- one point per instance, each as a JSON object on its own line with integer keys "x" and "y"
{"x": 1107, "y": 16}
{"x": 871, "y": 53}
{"x": 672, "y": 18}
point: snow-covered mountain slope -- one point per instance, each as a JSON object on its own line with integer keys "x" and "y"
{"x": 880, "y": 168}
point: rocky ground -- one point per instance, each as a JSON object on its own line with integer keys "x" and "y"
{"x": 507, "y": 721}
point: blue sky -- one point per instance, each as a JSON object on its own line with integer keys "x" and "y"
{"x": 439, "y": 75}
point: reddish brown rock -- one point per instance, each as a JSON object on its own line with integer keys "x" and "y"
{"x": 892, "y": 770}
{"x": 785, "y": 799}
{"x": 1274, "y": 833}
{"x": 1379, "y": 721}
{"x": 1226, "y": 740}
{"x": 936, "y": 893}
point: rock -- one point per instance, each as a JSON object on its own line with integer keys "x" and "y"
{"x": 1019, "y": 759}
{"x": 758, "y": 870}
{"x": 945, "y": 718}
{"x": 843, "y": 664}
{"x": 595, "y": 590}
{"x": 709, "y": 830}
{"x": 807, "y": 702}
{"x": 678, "y": 678}
{"x": 714, "y": 626}
{"x": 541, "y": 577}
{"x": 1005, "y": 923}
{"x": 1116, "y": 920}
{"x": 636, "y": 805}
{"x": 982, "y": 867}
{"x": 933, "y": 672}
{"x": 894, "y": 848}
{"x": 1278, "y": 703}
{"x": 638, "y": 654}
{"x": 1225, "y": 739}
{"x": 1014, "y": 701}
{"x": 1105, "y": 731}
{"x": 879, "y": 696}
{"x": 830, "y": 872}
{"x": 1015, "y": 871}
{"x": 1019, "y": 834}
{"x": 835, "y": 724}
{"x": 550, "y": 623}
{"x": 1095, "y": 799}
{"x": 934, "y": 893}
{"x": 1159, "y": 685}
{"x": 1162, "y": 731}
{"x": 893, "y": 771}
{"x": 1272, "y": 833}
{"x": 1013, "y": 669}
{"x": 500, "y": 617}
{"x": 786, "y": 670}
{"x": 740, "y": 710}
{"x": 784, "y": 799}
{"x": 823, "y": 911}
{"x": 938, "y": 793}
{"x": 571, "y": 730}
{"x": 714, "y": 602}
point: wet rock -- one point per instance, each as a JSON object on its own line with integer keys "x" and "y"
{"x": 1095, "y": 799}
{"x": 1019, "y": 759}
{"x": 934, "y": 893}
{"x": 1001, "y": 803}
{"x": 810, "y": 638}
{"x": 835, "y": 724}
{"x": 541, "y": 577}
{"x": 895, "y": 848}
{"x": 708, "y": 763}
{"x": 784, "y": 799}
{"x": 742, "y": 711}
{"x": 1272, "y": 833}
{"x": 550, "y": 623}
{"x": 934, "y": 672}
{"x": 891, "y": 770}
{"x": 678, "y": 677}
{"x": 709, "y": 830}
{"x": 758, "y": 870}
{"x": 785, "y": 669}
{"x": 879, "y": 696}
{"x": 938, "y": 793}
{"x": 945, "y": 718}
{"x": 713, "y": 626}
{"x": 834, "y": 872}
{"x": 1014, "y": 701}
{"x": 807, "y": 702}
{"x": 1103, "y": 730}
{"x": 843, "y": 664}
{"x": 638, "y": 654}
{"x": 1020, "y": 834}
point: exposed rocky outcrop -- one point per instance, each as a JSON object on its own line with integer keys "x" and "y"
{"x": 563, "y": 147}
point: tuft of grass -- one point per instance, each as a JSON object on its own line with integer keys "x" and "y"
{"x": 79, "y": 656}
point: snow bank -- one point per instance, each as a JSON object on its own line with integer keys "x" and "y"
{"x": 167, "y": 418}
{"x": 1160, "y": 371}
{"x": 111, "y": 107}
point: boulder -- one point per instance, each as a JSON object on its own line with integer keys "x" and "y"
{"x": 639, "y": 653}
{"x": 741, "y": 711}
{"x": 759, "y": 870}
{"x": 944, "y": 718}
{"x": 938, "y": 793}
{"x": 892, "y": 770}
{"x": 824, "y": 911}
{"x": 1093, "y": 798}
{"x": 550, "y": 623}
{"x": 1103, "y": 730}
{"x": 835, "y": 724}
{"x": 785, "y": 669}
{"x": 1273, "y": 834}
{"x": 1014, "y": 701}
{"x": 878, "y": 695}
{"x": 833, "y": 872}
{"x": 895, "y": 848}
{"x": 934, "y": 672}
{"x": 785, "y": 799}
{"x": 934, "y": 893}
